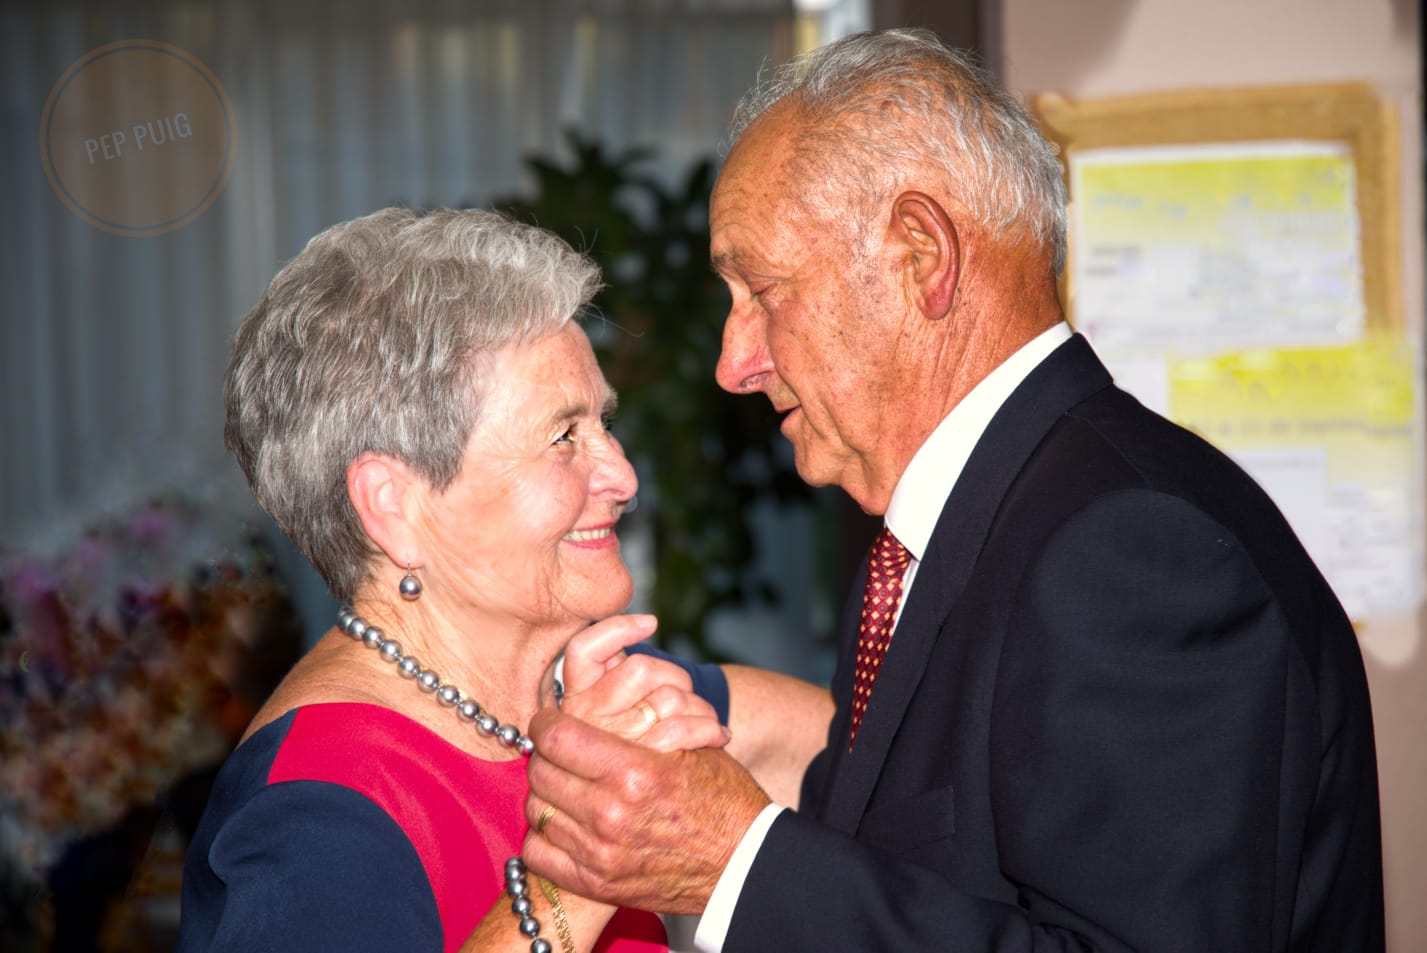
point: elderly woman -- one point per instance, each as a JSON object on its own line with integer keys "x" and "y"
{"x": 415, "y": 405}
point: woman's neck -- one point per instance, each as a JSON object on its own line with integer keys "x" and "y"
{"x": 496, "y": 662}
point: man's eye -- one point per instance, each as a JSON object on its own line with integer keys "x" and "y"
{"x": 567, "y": 437}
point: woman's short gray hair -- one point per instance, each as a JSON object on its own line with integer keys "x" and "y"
{"x": 906, "y": 100}
{"x": 376, "y": 338}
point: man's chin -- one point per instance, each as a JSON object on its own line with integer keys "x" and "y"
{"x": 811, "y": 471}
{"x": 846, "y": 477}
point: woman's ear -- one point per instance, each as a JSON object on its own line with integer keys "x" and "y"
{"x": 382, "y": 490}
{"x": 933, "y": 251}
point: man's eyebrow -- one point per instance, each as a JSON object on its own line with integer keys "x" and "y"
{"x": 722, "y": 261}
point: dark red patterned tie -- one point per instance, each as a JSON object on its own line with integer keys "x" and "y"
{"x": 885, "y": 565}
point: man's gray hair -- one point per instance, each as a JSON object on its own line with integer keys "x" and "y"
{"x": 377, "y": 337}
{"x": 876, "y": 103}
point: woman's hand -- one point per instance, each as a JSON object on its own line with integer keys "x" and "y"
{"x": 637, "y": 697}
{"x": 499, "y": 929}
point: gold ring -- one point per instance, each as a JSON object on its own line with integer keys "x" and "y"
{"x": 545, "y": 816}
{"x": 651, "y": 717}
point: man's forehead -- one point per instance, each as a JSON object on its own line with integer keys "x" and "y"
{"x": 767, "y": 144}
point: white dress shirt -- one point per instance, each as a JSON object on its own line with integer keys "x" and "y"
{"x": 916, "y": 504}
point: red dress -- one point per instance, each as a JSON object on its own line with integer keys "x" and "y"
{"x": 347, "y": 826}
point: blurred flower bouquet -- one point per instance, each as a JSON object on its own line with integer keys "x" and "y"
{"x": 127, "y": 660}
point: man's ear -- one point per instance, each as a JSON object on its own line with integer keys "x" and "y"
{"x": 933, "y": 262}
{"x": 382, "y": 490}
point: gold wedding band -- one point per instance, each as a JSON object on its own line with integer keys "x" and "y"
{"x": 545, "y": 816}
{"x": 650, "y": 715}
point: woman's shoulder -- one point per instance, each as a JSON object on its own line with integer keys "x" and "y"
{"x": 325, "y": 752}
{"x": 371, "y": 748}
{"x": 322, "y": 676}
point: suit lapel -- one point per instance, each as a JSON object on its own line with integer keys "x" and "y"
{"x": 1068, "y": 376}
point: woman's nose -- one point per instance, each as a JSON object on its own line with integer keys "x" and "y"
{"x": 613, "y": 474}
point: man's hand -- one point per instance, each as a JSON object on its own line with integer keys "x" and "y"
{"x": 634, "y": 826}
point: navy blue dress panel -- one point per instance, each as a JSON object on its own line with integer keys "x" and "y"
{"x": 300, "y": 865}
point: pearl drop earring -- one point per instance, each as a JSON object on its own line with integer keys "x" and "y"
{"x": 410, "y": 586}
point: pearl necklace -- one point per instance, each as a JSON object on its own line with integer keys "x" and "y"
{"x": 448, "y": 695}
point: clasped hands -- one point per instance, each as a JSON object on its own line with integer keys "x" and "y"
{"x": 647, "y": 808}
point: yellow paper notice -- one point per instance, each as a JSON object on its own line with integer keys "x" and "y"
{"x": 1329, "y": 433}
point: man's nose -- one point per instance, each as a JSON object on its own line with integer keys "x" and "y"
{"x": 744, "y": 363}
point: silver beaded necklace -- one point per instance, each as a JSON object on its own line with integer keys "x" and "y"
{"x": 448, "y": 695}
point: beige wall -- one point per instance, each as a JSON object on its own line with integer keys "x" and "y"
{"x": 1093, "y": 48}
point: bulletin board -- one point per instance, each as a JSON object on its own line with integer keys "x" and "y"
{"x": 1234, "y": 258}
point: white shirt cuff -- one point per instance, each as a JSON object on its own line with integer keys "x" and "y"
{"x": 713, "y": 925}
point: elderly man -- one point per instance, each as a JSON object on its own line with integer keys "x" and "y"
{"x": 1092, "y": 694}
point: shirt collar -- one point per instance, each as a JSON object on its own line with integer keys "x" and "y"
{"x": 925, "y": 485}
